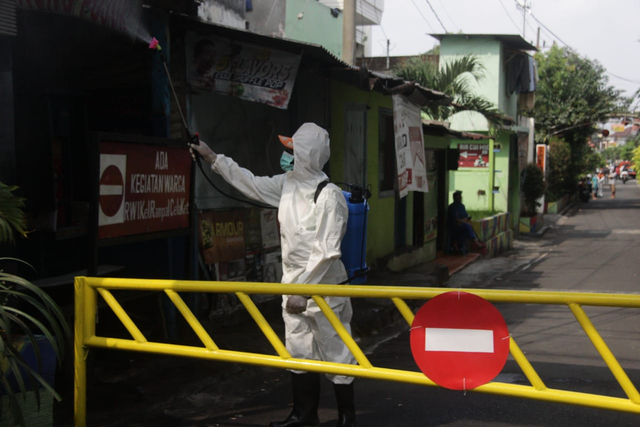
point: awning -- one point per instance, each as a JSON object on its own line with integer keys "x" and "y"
{"x": 317, "y": 59}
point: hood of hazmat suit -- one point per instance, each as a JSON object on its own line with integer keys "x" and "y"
{"x": 311, "y": 232}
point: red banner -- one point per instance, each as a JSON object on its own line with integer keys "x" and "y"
{"x": 143, "y": 189}
{"x": 473, "y": 155}
{"x": 541, "y": 156}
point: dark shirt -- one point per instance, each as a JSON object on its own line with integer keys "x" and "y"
{"x": 456, "y": 211}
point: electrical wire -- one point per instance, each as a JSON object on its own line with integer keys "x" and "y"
{"x": 425, "y": 19}
{"x": 455, "y": 27}
{"x": 434, "y": 12}
{"x": 576, "y": 52}
{"x": 509, "y": 15}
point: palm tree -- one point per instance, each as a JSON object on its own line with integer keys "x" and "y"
{"x": 451, "y": 79}
{"x": 28, "y": 315}
{"x": 12, "y": 217}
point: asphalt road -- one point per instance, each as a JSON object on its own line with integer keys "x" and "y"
{"x": 595, "y": 248}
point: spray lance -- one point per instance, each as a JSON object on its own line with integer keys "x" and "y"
{"x": 193, "y": 138}
{"x": 354, "y": 243}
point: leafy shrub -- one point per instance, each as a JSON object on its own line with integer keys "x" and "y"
{"x": 559, "y": 174}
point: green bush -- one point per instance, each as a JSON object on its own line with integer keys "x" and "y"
{"x": 559, "y": 171}
{"x": 532, "y": 189}
{"x": 478, "y": 215}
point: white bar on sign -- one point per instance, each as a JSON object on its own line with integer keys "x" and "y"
{"x": 110, "y": 190}
{"x": 460, "y": 340}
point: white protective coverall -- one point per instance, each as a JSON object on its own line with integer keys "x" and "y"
{"x": 311, "y": 234}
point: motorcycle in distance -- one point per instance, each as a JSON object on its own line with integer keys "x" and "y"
{"x": 584, "y": 190}
{"x": 624, "y": 176}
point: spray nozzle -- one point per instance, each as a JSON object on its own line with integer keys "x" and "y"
{"x": 155, "y": 44}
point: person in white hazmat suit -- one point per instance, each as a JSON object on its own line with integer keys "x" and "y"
{"x": 311, "y": 235}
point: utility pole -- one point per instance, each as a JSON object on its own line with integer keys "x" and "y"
{"x": 349, "y": 31}
{"x": 525, "y": 8}
{"x": 388, "y": 42}
{"x": 538, "y": 40}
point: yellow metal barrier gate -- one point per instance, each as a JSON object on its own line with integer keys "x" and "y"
{"x": 88, "y": 288}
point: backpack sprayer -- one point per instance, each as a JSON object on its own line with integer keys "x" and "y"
{"x": 354, "y": 242}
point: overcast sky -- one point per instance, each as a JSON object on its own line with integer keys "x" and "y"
{"x": 606, "y": 30}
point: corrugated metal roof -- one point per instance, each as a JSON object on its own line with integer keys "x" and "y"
{"x": 318, "y": 58}
{"x": 8, "y": 20}
{"x": 436, "y": 128}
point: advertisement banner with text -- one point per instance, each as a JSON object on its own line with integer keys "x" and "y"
{"x": 409, "y": 142}
{"x": 241, "y": 70}
{"x": 143, "y": 189}
{"x": 222, "y": 235}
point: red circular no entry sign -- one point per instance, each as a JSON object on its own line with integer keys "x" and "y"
{"x": 111, "y": 190}
{"x": 459, "y": 340}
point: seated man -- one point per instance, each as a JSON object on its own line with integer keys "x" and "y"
{"x": 458, "y": 224}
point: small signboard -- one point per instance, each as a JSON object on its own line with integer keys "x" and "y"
{"x": 142, "y": 188}
{"x": 473, "y": 155}
{"x": 459, "y": 340}
{"x": 541, "y": 156}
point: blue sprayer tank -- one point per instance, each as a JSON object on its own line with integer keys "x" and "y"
{"x": 354, "y": 243}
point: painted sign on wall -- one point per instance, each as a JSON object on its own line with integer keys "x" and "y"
{"x": 222, "y": 235}
{"x": 241, "y": 70}
{"x": 143, "y": 189}
{"x": 473, "y": 155}
{"x": 409, "y": 143}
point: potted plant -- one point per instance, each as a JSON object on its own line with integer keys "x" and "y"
{"x": 31, "y": 324}
{"x": 532, "y": 189}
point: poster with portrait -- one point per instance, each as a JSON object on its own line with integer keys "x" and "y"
{"x": 409, "y": 143}
{"x": 473, "y": 155}
{"x": 242, "y": 70}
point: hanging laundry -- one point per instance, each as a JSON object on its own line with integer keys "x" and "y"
{"x": 520, "y": 74}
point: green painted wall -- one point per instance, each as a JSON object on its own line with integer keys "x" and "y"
{"x": 473, "y": 181}
{"x": 317, "y": 25}
{"x": 492, "y": 86}
{"x": 380, "y": 229}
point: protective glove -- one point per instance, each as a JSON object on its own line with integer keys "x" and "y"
{"x": 204, "y": 151}
{"x": 296, "y": 304}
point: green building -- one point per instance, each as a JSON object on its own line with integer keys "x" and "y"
{"x": 489, "y": 171}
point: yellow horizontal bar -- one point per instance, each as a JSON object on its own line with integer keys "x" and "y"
{"x": 515, "y": 390}
{"x": 356, "y": 291}
{"x": 121, "y": 314}
{"x": 605, "y": 353}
